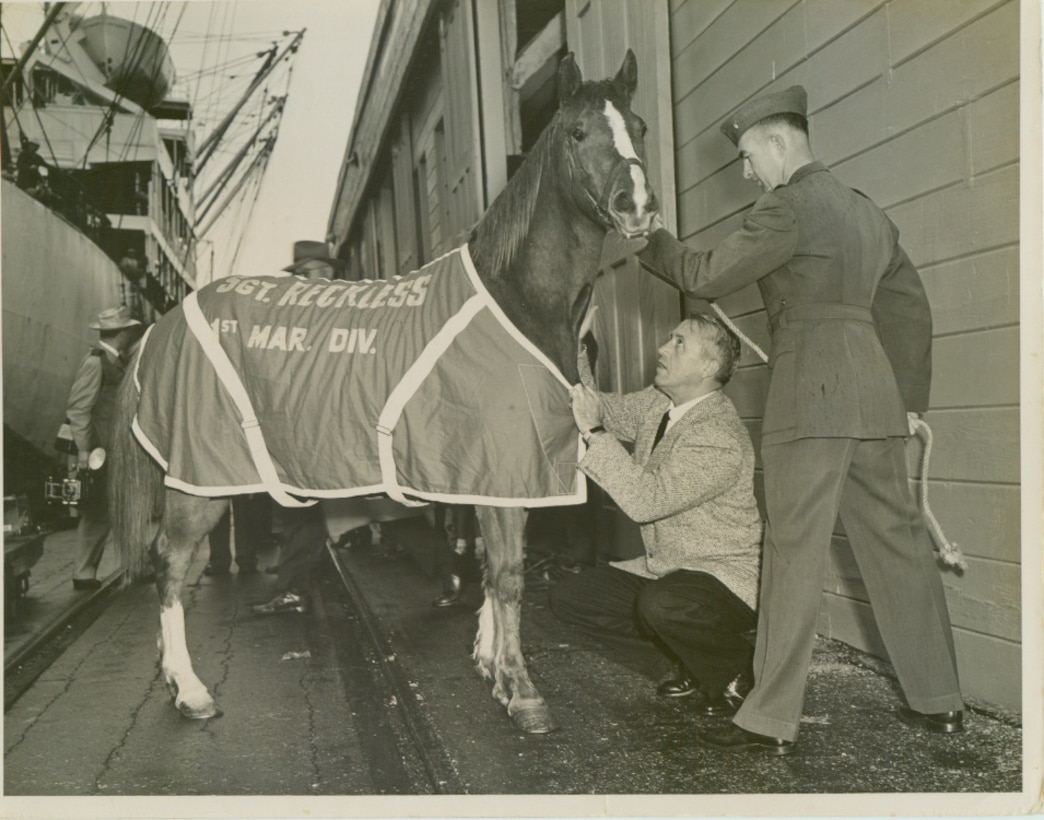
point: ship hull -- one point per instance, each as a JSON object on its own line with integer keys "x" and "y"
{"x": 53, "y": 281}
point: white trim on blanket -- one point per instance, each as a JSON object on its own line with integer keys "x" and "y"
{"x": 390, "y": 414}
{"x": 498, "y": 313}
{"x": 226, "y": 372}
{"x": 408, "y": 385}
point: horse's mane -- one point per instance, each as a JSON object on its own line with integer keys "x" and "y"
{"x": 497, "y": 238}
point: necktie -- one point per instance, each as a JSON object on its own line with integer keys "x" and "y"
{"x": 662, "y": 428}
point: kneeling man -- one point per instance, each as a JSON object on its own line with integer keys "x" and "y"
{"x": 689, "y": 485}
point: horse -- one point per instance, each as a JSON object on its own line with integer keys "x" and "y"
{"x": 537, "y": 251}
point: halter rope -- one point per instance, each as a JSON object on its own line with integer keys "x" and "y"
{"x": 950, "y": 553}
{"x": 601, "y": 205}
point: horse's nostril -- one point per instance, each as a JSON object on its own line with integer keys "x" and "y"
{"x": 623, "y": 202}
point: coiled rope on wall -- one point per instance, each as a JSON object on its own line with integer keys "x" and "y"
{"x": 949, "y": 552}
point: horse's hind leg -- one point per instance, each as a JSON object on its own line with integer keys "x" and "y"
{"x": 186, "y": 521}
{"x": 498, "y": 645}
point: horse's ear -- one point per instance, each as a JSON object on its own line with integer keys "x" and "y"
{"x": 569, "y": 78}
{"x": 627, "y": 76}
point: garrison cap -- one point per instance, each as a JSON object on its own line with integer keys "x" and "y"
{"x": 793, "y": 100}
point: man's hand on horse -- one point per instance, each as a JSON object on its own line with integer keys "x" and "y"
{"x": 617, "y": 247}
{"x": 587, "y": 407}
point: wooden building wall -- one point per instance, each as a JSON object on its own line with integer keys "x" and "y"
{"x": 916, "y": 103}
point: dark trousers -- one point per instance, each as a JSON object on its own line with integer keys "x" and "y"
{"x": 456, "y": 539}
{"x": 303, "y": 537}
{"x": 691, "y": 618}
{"x": 253, "y": 520}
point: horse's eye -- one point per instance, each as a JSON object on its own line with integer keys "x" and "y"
{"x": 578, "y": 134}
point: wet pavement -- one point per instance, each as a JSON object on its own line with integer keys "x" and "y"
{"x": 302, "y": 716}
{"x": 617, "y": 737}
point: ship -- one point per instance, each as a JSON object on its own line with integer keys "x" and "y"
{"x": 99, "y": 208}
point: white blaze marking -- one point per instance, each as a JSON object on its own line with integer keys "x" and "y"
{"x": 624, "y": 146}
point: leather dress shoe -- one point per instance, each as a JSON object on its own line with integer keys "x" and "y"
{"x": 247, "y": 569}
{"x": 737, "y": 739}
{"x": 450, "y": 594}
{"x": 720, "y": 706}
{"x": 272, "y": 570}
{"x": 729, "y": 701}
{"x": 941, "y": 722}
{"x": 677, "y": 687}
{"x": 86, "y": 583}
{"x": 212, "y": 572}
{"x": 288, "y": 601}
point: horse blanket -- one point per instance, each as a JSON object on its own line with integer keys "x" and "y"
{"x": 418, "y": 387}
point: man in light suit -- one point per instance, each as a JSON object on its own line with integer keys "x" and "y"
{"x": 851, "y": 357}
{"x": 689, "y": 484}
{"x": 90, "y": 409}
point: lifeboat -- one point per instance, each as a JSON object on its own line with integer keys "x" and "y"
{"x": 135, "y": 60}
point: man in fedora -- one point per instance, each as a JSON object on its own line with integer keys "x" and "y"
{"x": 312, "y": 260}
{"x": 303, "y": 532}
{"x": 90, "y": 409}
{"x": 851, "y": 359}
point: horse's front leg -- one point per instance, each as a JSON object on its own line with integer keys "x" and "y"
{"x": 186, "y": 522}
{"x": 498, "y": 645}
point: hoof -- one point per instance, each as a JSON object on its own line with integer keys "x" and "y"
{"x": 534, "y": 719}
{"x": 201, "y": 712}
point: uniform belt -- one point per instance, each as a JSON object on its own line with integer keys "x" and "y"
{"x": 821, "y": 310}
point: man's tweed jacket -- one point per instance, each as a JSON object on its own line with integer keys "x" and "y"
{"x": 692, "y": 496}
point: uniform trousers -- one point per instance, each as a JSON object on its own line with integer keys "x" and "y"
{"x": 691, "y": 618}
{"x": 808, "y": 484}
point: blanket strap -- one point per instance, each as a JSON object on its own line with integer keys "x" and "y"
{"x": 407, "y": 386}
{"x": 226, "y": 372}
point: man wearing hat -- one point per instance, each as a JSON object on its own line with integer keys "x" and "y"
{"x": 28, "y": 165}
{"x": 313, "y": 261}
{"x": 303, "y": 532}
{"x": 851, "y": 358}
{"x": 90, "y": 409}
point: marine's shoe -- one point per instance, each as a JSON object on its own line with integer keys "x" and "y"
{"x": 737, "y": 739}
{"x": 288, "y": 601}
{"x": 944, "y": 723}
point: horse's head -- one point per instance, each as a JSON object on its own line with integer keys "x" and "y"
{"x": 604, "y": 147}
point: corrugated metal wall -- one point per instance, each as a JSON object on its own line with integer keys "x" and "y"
{"x": 916, "y": 103}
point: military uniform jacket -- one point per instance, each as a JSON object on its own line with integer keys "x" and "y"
{"x": 692, "y": 496}
{"x": 851, "y": 327}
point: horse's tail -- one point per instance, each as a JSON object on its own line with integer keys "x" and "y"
{"x": 135, "y": 486}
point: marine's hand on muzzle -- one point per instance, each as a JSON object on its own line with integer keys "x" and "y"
{"x": 618, "y": 246}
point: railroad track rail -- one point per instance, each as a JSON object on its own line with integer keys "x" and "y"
{"x": 418, "y": 741}
{"x": 31, "y": 660}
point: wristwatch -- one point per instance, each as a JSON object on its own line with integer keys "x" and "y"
{"x": 587, "y": 436}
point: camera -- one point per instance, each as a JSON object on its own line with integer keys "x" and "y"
{"x": 79, "y": 489}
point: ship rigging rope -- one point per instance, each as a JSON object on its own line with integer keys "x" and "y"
{"x": 949, "y": 552}
{"x": 137, "y": 55}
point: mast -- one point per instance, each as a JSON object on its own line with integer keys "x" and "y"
{"x": 222, "y": 178}
{"x": 206, "y": 150}
{"x": 17, "y": 70}
{"x": 266, "y": 149}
